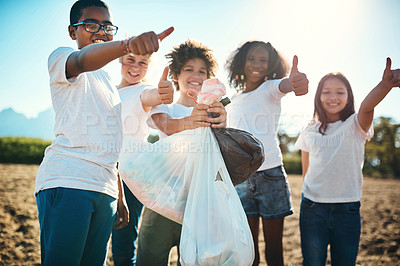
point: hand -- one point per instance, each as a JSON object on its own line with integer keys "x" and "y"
{"x": 219, "y": 121}
{"x": 298, "y": 80}
{"x": 391, "y": 78}
{"x": 148, "y": 42}
{"x": 198, "y": 117}
{"x": 165, "y": 88}
{"x": 123, "y": 214}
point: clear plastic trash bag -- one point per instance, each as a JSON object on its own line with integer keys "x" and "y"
{"x": 215, "y": 230}
{"x": 159, "y": 174}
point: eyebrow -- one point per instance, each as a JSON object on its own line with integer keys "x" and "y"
{"x": 95, "y": 20}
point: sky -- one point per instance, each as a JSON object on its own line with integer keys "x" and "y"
{"x": 350, "y": 36}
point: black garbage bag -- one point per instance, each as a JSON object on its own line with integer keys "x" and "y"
{"x": 242, "y": 152}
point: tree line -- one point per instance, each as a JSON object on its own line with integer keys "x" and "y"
{"x": 382, "y": 151}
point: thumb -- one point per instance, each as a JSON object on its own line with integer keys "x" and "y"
{"x": 165, "y": 33}
{"x": 388, "y": 64}
{"x": 165, "y": 74}
{"x": 294, "y": 69}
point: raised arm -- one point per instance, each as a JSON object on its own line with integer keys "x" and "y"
{"x": 297, "y": 81}
{"x": 95, "y": 56}
{"x": 164, "y": 94}
{"x": 390, "y": 79}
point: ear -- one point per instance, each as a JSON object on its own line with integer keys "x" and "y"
{"x": 120, "y": 59}
{"x": 175, "y": 77}
{"x": 71, "y": 31}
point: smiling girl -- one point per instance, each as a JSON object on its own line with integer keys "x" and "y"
{"x": 137, "y": 99}
{"x": 332, "y": 153}
{"x": 257, "y": 71}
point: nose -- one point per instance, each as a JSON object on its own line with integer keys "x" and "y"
{"x": 255, "y": 64}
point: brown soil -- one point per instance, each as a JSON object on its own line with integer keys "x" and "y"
{"x": 380, "y": 210}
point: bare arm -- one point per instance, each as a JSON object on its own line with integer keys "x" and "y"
{"x": 92, "y": 57}
{"x": 171, "y": 126}
{"x": 305, "y": 163}
{"x": 164, "y": 94}
{"x": 95, "y": 56}
{"x": 297, "y": 81}
{"x": 390, "y": 79}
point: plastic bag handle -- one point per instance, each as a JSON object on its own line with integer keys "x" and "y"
{"x": 192, "y": 90}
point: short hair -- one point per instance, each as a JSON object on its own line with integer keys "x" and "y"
{"x": 76, "y": 10}
{"x": 278, "y": 67}
{"x": 319, "y": 112}
{"x": 186, "y": 51}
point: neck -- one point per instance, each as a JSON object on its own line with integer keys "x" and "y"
{"x": 250, "y": 86}
{"x": 186, "y": 101}
{"x": 124, "y": 83}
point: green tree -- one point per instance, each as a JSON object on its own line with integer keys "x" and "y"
{"x": 382, "y": 152}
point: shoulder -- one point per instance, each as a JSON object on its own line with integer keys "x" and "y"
{"x": 60, "y": 52}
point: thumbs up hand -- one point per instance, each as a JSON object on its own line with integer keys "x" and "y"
{"x": 148, "y": 42}
{"x": 165, "y": 88}
{"x": 391, "y": 77}
{"x": 298, "y": 80}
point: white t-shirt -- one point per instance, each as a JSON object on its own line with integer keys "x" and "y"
{"x": 133, "y": 116}
{"x": 88, "y": 130}
{"x": 134, "y": 119}
{"x": 174, "y": 110}
{"x": 258, "y": 112}
{"x": 335, "y": 161}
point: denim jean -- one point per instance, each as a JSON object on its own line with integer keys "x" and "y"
{"x": 124, "y": 240}
{"x": 334, "y": 224}
{"x": 75, "y": 226}
{"x": 266, "y": 194}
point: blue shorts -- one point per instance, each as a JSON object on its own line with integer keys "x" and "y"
{"x": 266, "y": 194}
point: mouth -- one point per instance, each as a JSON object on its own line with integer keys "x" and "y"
{"x": 99, "y": 41}
{"x": 193, "y": 83}
{"x": 133, "y": 75}
{"x": 333, "y": 104}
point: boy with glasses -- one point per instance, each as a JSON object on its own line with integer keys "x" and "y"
{"x": 77, "y": 185}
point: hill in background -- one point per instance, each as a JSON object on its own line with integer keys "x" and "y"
{"x": 13, "y": 124}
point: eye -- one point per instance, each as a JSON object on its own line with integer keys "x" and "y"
{"x": 92, "y": 26}
{"x": 203, "y": 72}
{"x": 188, "y": 69}
{"x": 142, "y": 63}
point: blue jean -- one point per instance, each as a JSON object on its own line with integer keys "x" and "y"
{"x": 75, "y": 226}
{"x": 337, "y": 224}
{"x": 266, "y": 194}
{"x": 124, "y": 239}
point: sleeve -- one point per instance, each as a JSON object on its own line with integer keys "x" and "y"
{"x": 301, "y": 142}
{"x": 365, "y": 135}
{"x": 159, "y": 109}
{"x": 57, "y": 66}
{"x": 272, "y": 89}
{"x": 139, "y": 106}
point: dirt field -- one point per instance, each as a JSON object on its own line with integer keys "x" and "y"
{"x": 380, "y": 238}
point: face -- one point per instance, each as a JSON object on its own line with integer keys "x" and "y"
{"x": 91, "y": 14}
{"x": 334, "y": 97}
{"x": 256, "y": 67}
{"x": 192, "y": 75}
{"x": 134, "y": 68}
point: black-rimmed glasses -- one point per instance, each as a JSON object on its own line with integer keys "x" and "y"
{"x": 94, "y": 27}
